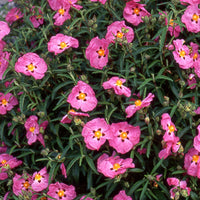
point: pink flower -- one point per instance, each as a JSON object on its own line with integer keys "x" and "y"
{"x": 40, "y": 180}
{"x": 133, "y": 12}
{"x": 122, "y": 196}
{"x": 194, "y": 55}
{"x": 97, "y": 53}
{"x": 124, "y": 136}
{"x": 196, "y": 142}
{"x": 82, "y": 97}
{"x": 2, "y": 45}
{"x": 63, "y": 170}
{"x": 69, "y": 116}
{"x": 36, "y": 20}
{"x": 179, "y": 186}
{"x": 101, "y": 1}
{"x": 197, "y": 111}
{"x": 13, "y": 15}
{"x": 3, "y": 147}
{"x": 192, "y": 81}
{"x": 31, "y": 64}
{"x": 73, "y": 3}
{"x": 119, "y": 31}
{"x": 191, "y": 18}
{"x": 113, "y": 165}
{"x": 141, "y": 151}
{"x": 60, "y": 43}
{"x": 61, "y": 191}
{"x": 190, "y": 1}
{"x": 4, "y": 58}
{"x": 197, "y": 67}
{"x": 95, "y": 133}
{"x": 33, "y": 130}
{"x": 117, "y": 84}
{"x": 7, "y": 102}
{"x": 22, "y": 184}
{"x": 192, "y": 162}
{"x": 4, "y": 29}
{"x": 138, "y": 104}
{"x": 182, "y": 54}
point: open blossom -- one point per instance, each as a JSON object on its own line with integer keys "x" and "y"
{"x": 191, "y": 81}
{"x": 60, "y": 43}
{"x": 138, "y": 104}
{"x": 95, "y": 133}
{"x": 71, "y": 114}
{"x": 40, "y": 180}
{"x": 13, "y": 15}
{"x": 124, "y": 136}
{"x": 133, "y": 12}
{"x": 196, "y": 142}
{"x": 7, "y": 102}
{"x": 4, "y": 58}
{"x": 82, "y": 97}
{"x": 111, "y": 166}
{"x": 117, "y": 84}
{"x": 61, "y": 191}
{"x": 179, "y": 186}
{"x": 36, "y": 20}
{"x": 194, "y": 54}
{"x": 101, "y": 1}
{"x": 191, "y": 18}
{"x": 182, "y": 54}
{"x": 119, "y": 31}
{"x": 31, "y": 64}
{"x": 122, "y": 196}
{"x": 97, "y": 53}
{"x": 4, "y": 29}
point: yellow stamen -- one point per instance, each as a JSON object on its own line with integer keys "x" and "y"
{"x": 31, "y": 67}
{"x": 17, "y": 16}
{"x": 119, "y": 83}
{"x": 138, "y": 102}
{"x": 171, "y": 128}
{"x": 61, "y": 193}
{"x": 195, "y": 17}
{"x": 101, "y": 52}
{"x": 123, "y": 135}
{"x": 195, "y": 158}
{"x": 71, "y": 110}
{"x": 4, "y": 102}
{"x": 82, "y": 96}
{"x": 3, "y": 162}
{"x": 120, "y": 35}
{"x": 26, "y": 184}
{"x": 38, "y": 177}
{"x": 98, "y": 134}
{"x": 171, "y": 23}
{"x": 63, "y": 45}
{"x": 195, "y": 56}
{"x": 182, "y": 53}
{"x": 31, "y": 129}
{"x": 136, "y": 11}
{"x": 61, "y": 11}
{"x": 116, "y": 166}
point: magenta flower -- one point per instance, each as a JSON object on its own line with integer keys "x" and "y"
{"x": 191, "y": 18}
{"x": 7, "y": 162}
{"x": 82, "y": 97}
{"x": 70, "y": 115}
{"x": 63, "y": 170}
{"x": 73, "y": 3}
{"x": 196, "y": 141}
{"x": 21, "y": 184}
{"x": 113, "y": 165}
{"x": 191, "y": 81}
{"x": 7, "y": 102}
{"x": 3, "y": 147}
{"x": 13, "y": 15}
{"x": 133, "y": 12}
{"x": 122, "y": 196}
{"x": 31, "y": 64}
{"x": 97, "y": 53}
{"x": 40, "y": 180}
{"x": 192, "y": 162}
{"x": 4, "y": 58}
{"x": 197, "y": 67}
{"x": 190, "y": 2}
{"x": 34, "y": 130}
{"x": 124, "y": 136}
{"x": 182, "y": 54}
{"x": 138, "y": 104}
{"x": 60, "y": 43}
{"x": 117, "y": 84}
{"x": 2, "y": 45}
{"x": 118, "y": 30}
{"x": 95, "y": 133}
{"x": 4, "y": 29}
{"x": 194, "y": 55}
{"x": 36, "y": 20}
{"x": 61, "y": 191}
{"x": 179, "y": 186}
{"x": 101, "y": 1}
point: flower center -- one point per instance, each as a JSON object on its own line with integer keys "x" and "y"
{"x": 82, "y": 96}
{"x": 26, "y": 184}
{"x": 119, "y": 83}
{"x": 195, "y": 158}
{"x": 101, "y": 52}
{"x": 119, "y": 34}
{"x": 195, "y": 17}
{"x": 31, "y": 67}
{"x": 182, "y": 53}
{"x": 4, "y": 102}
{"x": 171, "y": 128}
{"x": 138, "y": 102}
{"x": 61, "y": 11}
{"x": 39, "y": 16}
{"x": 195, "y": 56}
{"x": 3, "y": 162}
{"x": 63, "y": 45}
{"x": 171, "y": 23}
{"x": 123, "y": 135}
{"x": 71, "y": 110}
{"x": 98, "y": 134}
{"x": 136, "y": 11}
{"x": 31, "y": 129}
{"x": 17, "y": 16}
{"x": 116, "y": 166}
{"x": 61, "y": 193}
{"x": 38, "y": 177}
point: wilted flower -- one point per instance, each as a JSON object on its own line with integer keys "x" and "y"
{"x": 36, "y": 20}
{"x": 122, "y": 196}
{"x": 192, "y": 81}
{"x": 13, "y": 15}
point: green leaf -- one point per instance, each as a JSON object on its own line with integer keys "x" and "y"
{"x": 136, "y": 186}
{"x": 156, "y": 166}
{"x": 91, "y": 164}
{"x": 144, "y": 190}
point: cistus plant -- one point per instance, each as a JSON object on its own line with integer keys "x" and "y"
{"x": 99, "y": 100}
